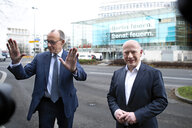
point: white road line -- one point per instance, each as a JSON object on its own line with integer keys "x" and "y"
{"x": 99, "y": 73}
{"x": 177, "y": 78}
{"x": 165, "y": 77}
{"x": 4, "y": 75}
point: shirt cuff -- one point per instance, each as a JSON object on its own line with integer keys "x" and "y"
{"x": 14, "y": 65}
{"x": 115, "y": 112}
{"x": 75, "y": 72}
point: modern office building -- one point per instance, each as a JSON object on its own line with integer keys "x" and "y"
{"x": 162, "y": 33}
{"x": 121, "y": 7}
{"x": 25, "y": 41}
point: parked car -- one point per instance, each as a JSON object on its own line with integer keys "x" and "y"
{"x": 4, "y": 54}
{"x": 2, "y": 58}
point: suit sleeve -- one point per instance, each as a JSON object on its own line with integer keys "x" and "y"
{"x": 158, "y": 103}
{"x": 81, "y": 75}
{"x": 21, "y": 72}
{"x": 111, "y": 97}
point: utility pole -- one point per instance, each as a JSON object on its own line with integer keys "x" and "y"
{"x": 34, "y": 8}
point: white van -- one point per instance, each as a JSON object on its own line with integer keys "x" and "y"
{"x": 85, "y": 56}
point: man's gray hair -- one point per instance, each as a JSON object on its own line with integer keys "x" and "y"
{"x": 61, "y": 33}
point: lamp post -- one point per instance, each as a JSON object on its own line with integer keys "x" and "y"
{"x": 34, "y": 8}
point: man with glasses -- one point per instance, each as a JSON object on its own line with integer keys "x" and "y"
{"x": 54, "y": 95}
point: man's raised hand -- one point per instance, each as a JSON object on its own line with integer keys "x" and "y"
{"x": 71, "y": 60}
{"x": 14, "y": 51}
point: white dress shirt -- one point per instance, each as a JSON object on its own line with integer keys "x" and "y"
{"x": 49, "y": 84}
{"x": 129, "y": 80}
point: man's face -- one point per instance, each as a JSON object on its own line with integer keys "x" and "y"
{"x": 54, "y": 43}
{"x": 132, "y": 54}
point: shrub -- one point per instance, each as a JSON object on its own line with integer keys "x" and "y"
{"x": 170, "y": 64}
{"x": 83, "y": 61}
{"x": 120, "y": 62}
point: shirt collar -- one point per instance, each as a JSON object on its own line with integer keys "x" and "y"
{"x": 59, "y": 54}
{"x": 136, "y": 68}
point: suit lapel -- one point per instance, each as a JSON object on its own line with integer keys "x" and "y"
{"x": 137, "y": 81}
{"x": 122, "y": 83}
{"x": 47, "y": 65}
{"x": 62, "y": 68}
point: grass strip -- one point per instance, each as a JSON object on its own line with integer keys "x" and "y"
{"x": 185, "y": 92}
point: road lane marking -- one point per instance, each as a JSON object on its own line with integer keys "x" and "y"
{"x": 4, "y": 75}
{"x": 165, "y": 77}
{"x": 177, "y": 78}
{"x": 3, "y": 66}
{"x": 99, "y": 73}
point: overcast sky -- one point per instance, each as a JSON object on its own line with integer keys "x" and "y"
{"x": 50, "y": 14}
{"x": 60, "y": 13}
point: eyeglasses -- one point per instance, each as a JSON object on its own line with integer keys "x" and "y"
{"x": 51, "y": 41}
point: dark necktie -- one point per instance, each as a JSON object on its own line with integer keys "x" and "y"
{"x": 55, "y": 80}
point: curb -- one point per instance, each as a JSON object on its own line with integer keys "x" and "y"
{"x": 1, "y": 126}
{"x": 182, "y": 98}
{"x": 3, "y": 76}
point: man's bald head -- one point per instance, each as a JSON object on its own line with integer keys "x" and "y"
{"x": 132, "y": 43}
{"x": 132, "y": 53}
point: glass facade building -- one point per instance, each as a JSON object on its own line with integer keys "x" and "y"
{"x": 158, "y": 29}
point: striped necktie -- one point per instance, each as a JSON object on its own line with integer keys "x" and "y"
{"x": 55, "y": 81}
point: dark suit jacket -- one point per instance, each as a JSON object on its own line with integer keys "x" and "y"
{"x": 40, "y": 67}
{"x": 147, "y": 99}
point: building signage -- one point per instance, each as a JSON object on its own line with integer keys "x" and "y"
{"x": 133, "y": 26}
{"x": 133, "y": 34}
{"x": 133, "y": 30}
{"x": 167, "y": 20}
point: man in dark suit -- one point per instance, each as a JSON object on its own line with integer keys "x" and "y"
{"x": 137, "y": 93}
{"x": 54, "y": 95}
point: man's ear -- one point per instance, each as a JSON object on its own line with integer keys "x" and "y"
{"x": 63, "y": 42}
{"x": 141, "y": 52}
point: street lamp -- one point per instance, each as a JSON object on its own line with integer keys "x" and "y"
{"x": 34, "y": 28}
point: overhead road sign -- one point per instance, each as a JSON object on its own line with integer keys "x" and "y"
{"x": 33, "y": 41}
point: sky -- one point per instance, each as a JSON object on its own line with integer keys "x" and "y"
{"x": 48, "y": 15}
{"x": 60, "y": 13}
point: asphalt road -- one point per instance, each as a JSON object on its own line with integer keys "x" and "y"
{"x": 93, "y": 111}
